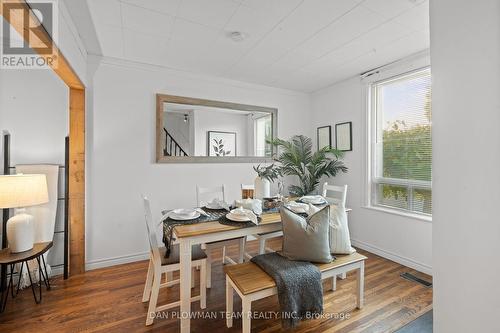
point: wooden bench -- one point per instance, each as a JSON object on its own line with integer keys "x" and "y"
{"x": 252, "y": 283}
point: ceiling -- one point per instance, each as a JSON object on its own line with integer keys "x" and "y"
{"x": 302, "y": 45}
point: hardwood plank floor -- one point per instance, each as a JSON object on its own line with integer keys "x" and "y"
{"x": 109, "y": 300}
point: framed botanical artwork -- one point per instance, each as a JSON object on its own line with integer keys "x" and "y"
{"x": 324, "y": 137}
{"x": 221, "y": 143}
{"x": 343, "y": 136}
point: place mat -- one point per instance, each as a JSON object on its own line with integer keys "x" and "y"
{"x": 225, "y": 221}
{"x": 169, "y": 225}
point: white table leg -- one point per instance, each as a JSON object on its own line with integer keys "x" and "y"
{"x": 229, "y": 304}
{"x": 223, "y": 255}
{"x": 241, "y": 246}
{"x": 343, "y": 276}
{"x": 262, "y": 245}
{"x": 185, "y": 283}
{"x": 361, "y": 284}
{"x": 246, "y": 315}
{"x": 203, "y": 285}
{"x": 334, "y": 283}
{"x": 209, "y": 267}
{"x": 169, "y": 277}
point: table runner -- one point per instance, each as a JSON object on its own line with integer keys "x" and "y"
{"x": 214, "y": 215}
{"x": 169, "y": 225}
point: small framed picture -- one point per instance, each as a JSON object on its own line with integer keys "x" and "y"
{"x": 324, "y": 137}
{"x": 343, "y": 136}
{"x": 221, "y": 144}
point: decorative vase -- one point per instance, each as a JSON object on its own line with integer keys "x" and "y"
{"x": 262, "y": 188}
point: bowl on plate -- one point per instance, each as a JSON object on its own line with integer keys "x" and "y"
{"x": 185, "y": 212}
{"x": 239, "y": 215}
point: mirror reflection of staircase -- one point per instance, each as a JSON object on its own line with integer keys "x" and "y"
{"x": 172, "y": 147}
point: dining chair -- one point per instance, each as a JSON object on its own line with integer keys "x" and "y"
{"x": 159, "y": 264}
{"x": 211, "y": 193}
{"x": 335, "y": 194}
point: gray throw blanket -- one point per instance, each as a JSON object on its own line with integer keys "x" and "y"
{"x": 300, "y": 292}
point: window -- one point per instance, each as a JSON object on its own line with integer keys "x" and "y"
{"x": 401, "y": 148}
{"x": 263, "y": 131}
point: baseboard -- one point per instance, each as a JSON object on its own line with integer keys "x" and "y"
{"x": 100, "y": 263}
{"x": 57, "y": 271}
{"x": 392, "y": 256}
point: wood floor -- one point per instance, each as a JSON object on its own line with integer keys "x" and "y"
{"x": 109, "y": 300}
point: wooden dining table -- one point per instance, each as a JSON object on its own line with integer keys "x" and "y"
{"x": 205, "y": 232}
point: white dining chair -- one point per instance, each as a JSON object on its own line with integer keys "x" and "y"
{"x": 211, "y": 193}
{"x": 159, "y": 265}
{"x": 335, "y": 194}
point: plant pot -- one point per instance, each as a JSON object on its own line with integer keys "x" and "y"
{"x": 262, "y": 188}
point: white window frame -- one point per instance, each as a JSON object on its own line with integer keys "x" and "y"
{"x": 372, "y": 179}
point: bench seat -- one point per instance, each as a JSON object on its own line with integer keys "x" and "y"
{"x": 250, "y": 278}
{"x": 251, "y": 283}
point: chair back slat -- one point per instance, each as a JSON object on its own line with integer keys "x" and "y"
{"x": 151, "y": 230}
{"x": 215, "y": 192}
{"x": 335, "y": 194}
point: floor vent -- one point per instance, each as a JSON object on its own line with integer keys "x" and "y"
{"x": 411, "y": 277}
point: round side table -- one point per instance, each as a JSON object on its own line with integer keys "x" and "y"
{"x": 11, "y": 259}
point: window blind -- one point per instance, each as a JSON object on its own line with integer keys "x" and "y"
{"x": 402, "y": 158}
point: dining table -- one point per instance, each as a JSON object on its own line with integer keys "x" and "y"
{"x": 201, "y": 233}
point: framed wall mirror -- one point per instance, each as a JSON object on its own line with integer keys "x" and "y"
{"x": 193, "y": 130}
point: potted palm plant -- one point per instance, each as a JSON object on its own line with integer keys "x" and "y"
{"x": 295, "y": 158}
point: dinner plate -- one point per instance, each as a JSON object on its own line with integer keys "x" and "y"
{"x": 180, "y": 217}
{"x": 315, "y": 200}
{"x": 237, "y": 218}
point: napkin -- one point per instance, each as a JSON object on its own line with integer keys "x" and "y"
{"x": 222, "y": 204}
{"x": 252, "y": 217}
{"x": 254, "y": 205}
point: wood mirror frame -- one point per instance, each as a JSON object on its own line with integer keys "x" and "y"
{"x": 161, "y": 99}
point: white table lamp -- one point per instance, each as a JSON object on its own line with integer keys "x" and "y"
{"x": 20, "y": 191}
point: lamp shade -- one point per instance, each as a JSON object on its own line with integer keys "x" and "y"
{"x": 23, "y": 191}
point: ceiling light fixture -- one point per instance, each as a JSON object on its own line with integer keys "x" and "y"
{"x": 237, "y": 36}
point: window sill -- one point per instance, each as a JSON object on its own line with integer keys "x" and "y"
{"x": 400, "y": 213}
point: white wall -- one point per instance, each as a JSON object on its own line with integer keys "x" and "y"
{"x": 70, "y": 43}
{"x": 465, "y": 55}
{"x": 402, "y": 239}
{"x": 121, "y": 166}
{"x": 34, "y": 109}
